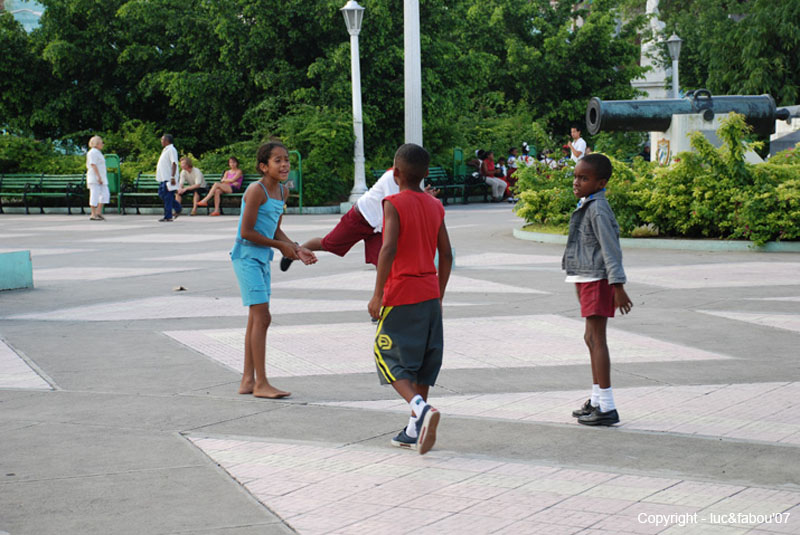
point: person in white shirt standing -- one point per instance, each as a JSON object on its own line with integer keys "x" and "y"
{"x": 96, "y": 178}
{"x": 577, "y": 146}
{"x": 167, "y": 177}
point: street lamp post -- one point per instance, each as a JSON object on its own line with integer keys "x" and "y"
{"x": 674, "y": 46}
{"x": 353, "y": 13}
{"x": 413, "y": 72}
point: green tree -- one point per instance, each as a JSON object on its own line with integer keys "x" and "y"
{"x": 767, "y": 51}
{"x": 21, "y": 71}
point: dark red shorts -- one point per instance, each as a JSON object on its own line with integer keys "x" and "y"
{"x": 351, "y": 229}
{"x": 597, "y": 298}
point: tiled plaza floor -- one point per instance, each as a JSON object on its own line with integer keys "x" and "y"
{"x": 344, "y": 490}
{"x": 498, "y": 342}
{"x": 759, "y": 411}
{"x": 119, "y": 404}
{"x": 15, "y": 373}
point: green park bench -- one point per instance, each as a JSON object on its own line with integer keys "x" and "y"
{"x": 30, "y": 186}
{"x": 144, "y": 189}
{"x": 71, "y": 188}
{"x": 437, "y": 178}
{"x": 13, "y": 186}
{"x": 463, "y": 176}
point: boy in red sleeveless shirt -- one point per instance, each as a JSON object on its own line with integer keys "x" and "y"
{"x": 408, "y": 295}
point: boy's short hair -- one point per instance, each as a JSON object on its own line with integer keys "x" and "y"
{"x": 600, "y": 163}
{"x": 415, "y": 159}
{"x": 576, "y": 126}
{"x": 169, "y": 138}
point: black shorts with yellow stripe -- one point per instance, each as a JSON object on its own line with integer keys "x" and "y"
{"x": 409, "y": 343}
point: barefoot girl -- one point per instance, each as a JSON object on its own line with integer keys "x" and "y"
{"x": 259, "y": 232}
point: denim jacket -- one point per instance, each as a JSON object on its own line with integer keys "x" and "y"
{"x": 593, "y": 248}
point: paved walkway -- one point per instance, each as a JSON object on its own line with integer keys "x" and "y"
{"x": 119, "y": 412}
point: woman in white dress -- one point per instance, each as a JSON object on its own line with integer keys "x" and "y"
{"x": 96, "y": 178}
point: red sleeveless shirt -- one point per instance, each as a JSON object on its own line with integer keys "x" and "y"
{"x": 413, "y": 277}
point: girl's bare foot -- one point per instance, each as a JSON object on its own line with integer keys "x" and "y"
{"x": 247, "y": 386}
{"x": 270, "y": 392}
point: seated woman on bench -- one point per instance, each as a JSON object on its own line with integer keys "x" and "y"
{"x": 231, "y": 183}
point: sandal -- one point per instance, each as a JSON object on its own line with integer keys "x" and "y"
{"x": 202, "y": 203}
{"x": 214, "y": 214}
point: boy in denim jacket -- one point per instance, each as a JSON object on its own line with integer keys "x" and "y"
{"x": 593, "y": 261}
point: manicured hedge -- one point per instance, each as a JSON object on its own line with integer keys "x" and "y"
{"x": 708, "y": 193}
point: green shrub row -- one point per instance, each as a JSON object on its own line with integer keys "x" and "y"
{"x": 709, "y": 193}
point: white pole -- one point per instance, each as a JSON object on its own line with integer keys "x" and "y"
{"x": 359, "y": 180}
{"x": 675, "y": 78}
{"x": 413, "y": 72}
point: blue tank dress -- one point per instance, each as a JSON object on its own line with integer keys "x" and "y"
{"x": 251, "y": 260}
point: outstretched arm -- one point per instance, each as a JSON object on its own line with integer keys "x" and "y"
{"x": 391, "y": 231}
{"x": 301, "y": 253}
{"x": 253, "y": 199}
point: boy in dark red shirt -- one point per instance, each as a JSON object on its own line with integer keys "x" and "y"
{"x": 408, "y": 295}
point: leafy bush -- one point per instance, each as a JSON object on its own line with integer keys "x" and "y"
{"x": 711, "y": 192}
{"x": 545, "y": 194}
{"x": 27, "y": 155}
{"x": 322, "y": 135}
{"x": 621, "y": 145}
{"x": 498, "y": 133}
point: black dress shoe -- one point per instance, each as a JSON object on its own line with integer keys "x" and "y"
{"x": 585, "y": 409}
{"x": 597, "y": 417}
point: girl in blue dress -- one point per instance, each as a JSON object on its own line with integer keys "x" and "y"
{"x": 258, "y": 234}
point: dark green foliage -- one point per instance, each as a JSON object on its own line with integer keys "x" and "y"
{"x": 227, "y": 73}
{"x": 711, "y": 192}
{"x": 24, "y": 154}
{"x": 738, "y": 48}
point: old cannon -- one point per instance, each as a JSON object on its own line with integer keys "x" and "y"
{"x": 656, "y": 115}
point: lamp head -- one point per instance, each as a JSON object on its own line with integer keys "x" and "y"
{"x": 674, "y": 46}
{"x": 353, "y": 13}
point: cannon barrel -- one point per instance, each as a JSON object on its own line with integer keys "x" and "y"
{"x": 656, "y": 115}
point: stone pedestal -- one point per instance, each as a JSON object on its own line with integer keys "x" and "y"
{"x": 664, "y": 146}
{"x": 16, "y": 270}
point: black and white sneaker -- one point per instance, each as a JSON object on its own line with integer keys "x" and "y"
{"x": 426, "y": 429}
{"x": 402, "y": 440}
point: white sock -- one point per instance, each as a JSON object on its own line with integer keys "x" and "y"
{"x": 411, "y": 428}
{"x": 595, "y": 399}
{"x": 607, "y": 400}
{"x": 417, "y": 404}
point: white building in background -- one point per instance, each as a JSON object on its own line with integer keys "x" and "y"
{"x": 26, "y": 12}
{"x": 654, "y": 82}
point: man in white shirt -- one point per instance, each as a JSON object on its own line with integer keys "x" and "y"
{"x": 192, "y": 181}
{"x": 167, "y": 177}
{"x": 577, "y": 146}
